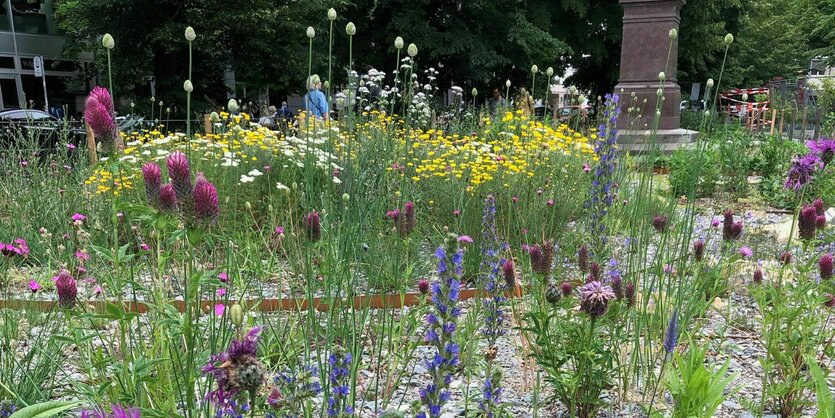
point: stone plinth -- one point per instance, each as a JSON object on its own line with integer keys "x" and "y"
{"x": 644, "y": 54}
{"x": 665, "y": 141}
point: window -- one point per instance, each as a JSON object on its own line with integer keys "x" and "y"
{"x": 33, "y": 16}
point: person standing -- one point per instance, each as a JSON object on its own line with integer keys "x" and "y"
{"x": 496, "y": 101}
{"x": 315, "y": 101}
{"x": 525, "y": 102}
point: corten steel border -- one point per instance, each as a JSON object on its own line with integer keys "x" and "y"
{"x": 391, "y": 301}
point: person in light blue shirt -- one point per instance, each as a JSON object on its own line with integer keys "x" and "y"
{"x": 315, "y": 101}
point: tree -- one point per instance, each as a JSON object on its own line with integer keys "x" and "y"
{"x": 263, "y": 41}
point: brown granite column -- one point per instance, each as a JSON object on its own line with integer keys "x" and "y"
{"x": 644, "y": 54}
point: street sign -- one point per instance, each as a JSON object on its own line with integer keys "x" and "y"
{"x": 38, "y": 64}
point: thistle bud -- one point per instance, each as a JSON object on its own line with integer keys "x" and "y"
{"x": 594, "y": 272}
{"x": 310, "y": 32}
{"x": 806, "y": 223}
{"x": 534, "y": 69}
{"x": 188, "y": 87}
{"x": 630, "y": 294}
{"x": 758, "y": 275}
{"x": 331, "y": 14}
{"x": 412, "y": 50}
{"x": 566, "y": 289}
{"x": 232, "y": 106}
{"x": 350, "y": 29}
{"x": 423, "y": 286}
{"x": 786, "y": 258}
{"x": 398, "y": 43}
{"x": 313, "y": 226}
{"x": 699, "y": 250}
{"x": 509, "y": 272}
{"x": 190, "y": 35}
{"x": 729, "y": 39}
{"x": 583, "y": 259}
{"x": 617, "y": 287}
{"x": 673, "y": 33}
{"x": 825, "y": 266}
{"x": 552, "y": 293}
{"x": 107, "y": 41}
{"x": 236, "y": 314}
{"x": 659, "y": 222}
{"x": 549, "y": 72}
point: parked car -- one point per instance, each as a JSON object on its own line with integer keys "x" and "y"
{"x": 46, "y": 131}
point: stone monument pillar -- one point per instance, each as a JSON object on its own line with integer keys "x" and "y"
{"x": 644, "y": 54}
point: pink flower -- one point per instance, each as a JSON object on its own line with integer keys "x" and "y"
{"x": 465, "y": 239}
{"x": 550, "y": 202}
{"x": 144, "y": 247}
{"x": 746, "y": 252}
{"x": 78, "y": 217}
{"x": 70, "y": 146}
{"x": 98, "y": 290}
{"x": 221, "y": 291}
{"x": 82, "y": 256}
{"x": 223, "y": 277}
{"x": 715, "y": 222}
{"x": 456, "y": 213}
{"x": 279, "y": 230}
{"x": 267, "y": 168}
{"x": 206, "y": 203}
{"x": 514, "y": 199}
{"x": 219, "y": 308}
{"x": 34, "y": 286}
{"x": 24, "y": 163}
{"x": 586, "y": 168}
{"x": 539, "y": 192}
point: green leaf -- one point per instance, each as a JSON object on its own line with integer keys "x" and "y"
{"x": 826, "y": 403}
{"x": 45, "y": 409}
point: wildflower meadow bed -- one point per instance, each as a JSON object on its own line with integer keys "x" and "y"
{"x": 499, "y": 266}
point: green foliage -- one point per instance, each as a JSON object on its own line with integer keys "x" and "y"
{"x": 823, "y": 395}
{"x": 45, "y": 409}
{"x": 691, "y": 168}
{"x": 697, "y": 390}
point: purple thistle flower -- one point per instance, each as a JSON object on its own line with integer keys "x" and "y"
{"x": 236, "y": 371}
{"x": 728, "y": 225}
{"x": 313, "y": 226}
{"x": 801, "y": 171}
{"x": 825, "y": 266}
{"x": 206, "y": 203}
{"x": 671, "y": 338}
{"x": 823, "y": 148}
{"x": 595, "y": 297}
{"x": 153, "y": 180}
{"x": 746, "y": 252}
{"x": 67, "y": 289}
{"x": 806, "y": 223}
{"x": 167, "y": 198}
{"x": 594, "y": 272}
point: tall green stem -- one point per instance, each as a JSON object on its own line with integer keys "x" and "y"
{"x": 330, "y": 56}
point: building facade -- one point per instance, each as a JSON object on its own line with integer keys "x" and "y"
{"x": 28, "y": 30}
